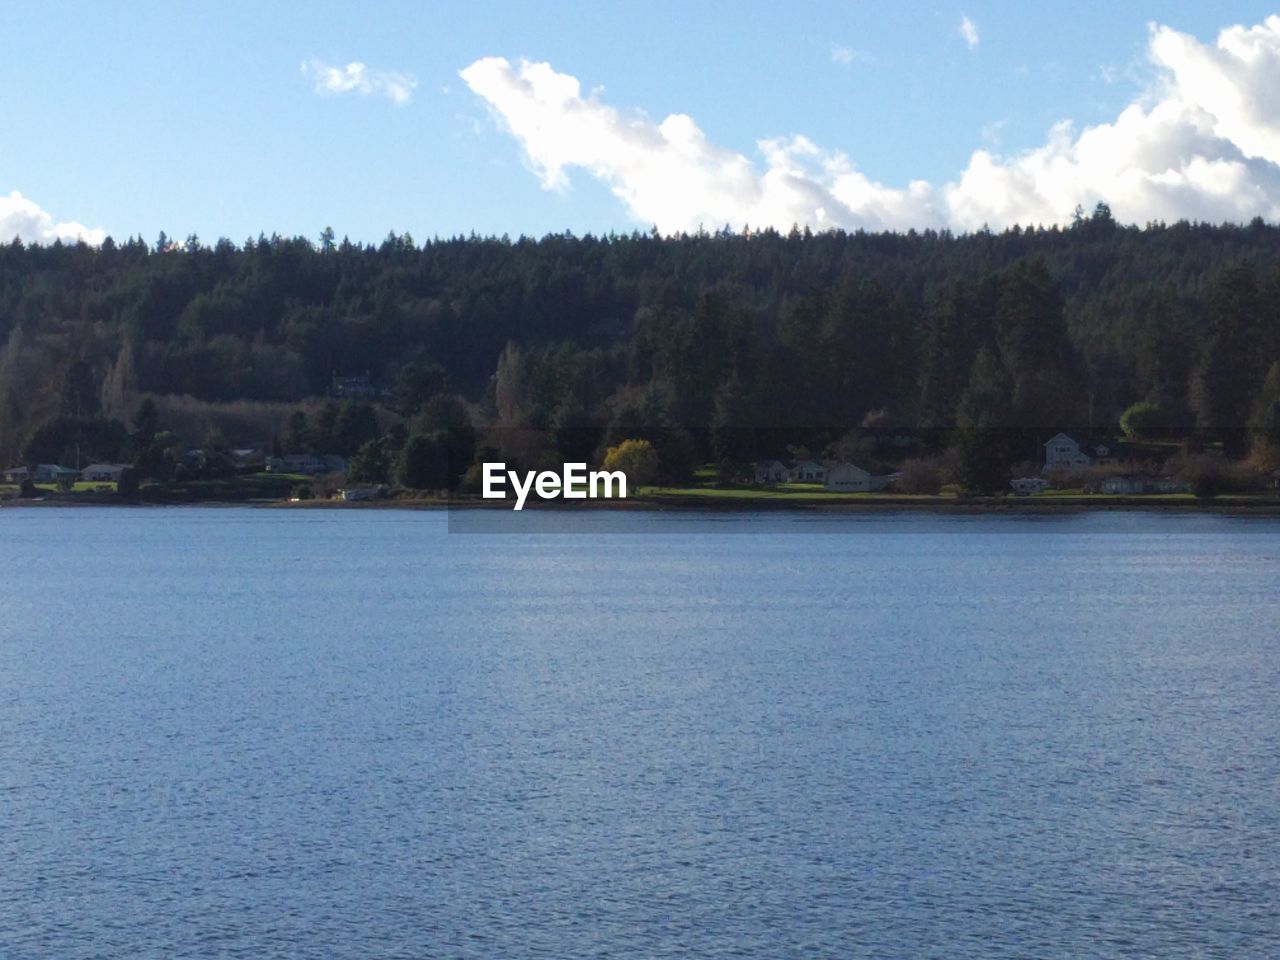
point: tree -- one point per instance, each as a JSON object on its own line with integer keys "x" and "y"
{"x": 415, "y": 383}
{"x": 1144, "y": 421}
{"x": 1264, "y": 422}
{"x": 1231, "y": 365}
{"x": 447, "y": 416}
{"x": 423, "y": 462}
{"x": 146, "y": 421}
{"x": 79, "y": 392}
{"x": 369, "y": 464}
{"x": 574, "y": 433}
{"x": 637, "y": 459}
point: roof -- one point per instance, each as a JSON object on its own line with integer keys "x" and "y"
{"x": 846, "y": 466}
{"x": 1056, "y": 437}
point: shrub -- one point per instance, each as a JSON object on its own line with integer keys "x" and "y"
{"x": 920, "y": 476}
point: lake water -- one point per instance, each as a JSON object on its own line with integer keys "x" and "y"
{"x": 261, "y": 733}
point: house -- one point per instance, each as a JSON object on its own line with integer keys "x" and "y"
{"x": 103, "y": 472}
{"x": 308, "y": 463}
{"x": 884, "y": 481}
{"x": 1063, "y": 453}
{"x": 845, "y": 477}
{"x": 1025, "y": 486}
{"x": 359, "y": 387}
{"x": 16, "y": 474}
{"x": 1141, "y": 484}
{"x": 52, "y": 473}
{"x": 808, "y": 471}
{"x": 771, "y": 471}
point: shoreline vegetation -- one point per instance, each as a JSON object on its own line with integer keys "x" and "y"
{"x": 1055, "y": 366}
{"x": 717, "y": 500}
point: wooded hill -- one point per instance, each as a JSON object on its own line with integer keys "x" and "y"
{"x": 718, "y": 347}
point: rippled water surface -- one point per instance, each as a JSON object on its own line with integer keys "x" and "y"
{"x": 258, "y": 733}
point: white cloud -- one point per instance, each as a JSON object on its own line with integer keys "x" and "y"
{"x": 969, "y": 30}
{"x": 848, "y": 56}
{"x": 21, "y": 218}
{"x": 356, "y": 77}
{"x": 1203, "y": 144}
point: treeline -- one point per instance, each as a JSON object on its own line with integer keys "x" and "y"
{"x": 718, "y": 347}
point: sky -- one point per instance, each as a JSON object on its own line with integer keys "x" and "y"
{"x": 234, "y": 119}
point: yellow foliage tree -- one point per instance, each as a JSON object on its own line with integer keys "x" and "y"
{"x": 636, "y": 458}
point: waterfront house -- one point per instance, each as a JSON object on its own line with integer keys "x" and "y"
{"x": 808, "y": 471}
{"x": 848, "y": 478}
{"x": 53, "y": 473}
{"x": 771, "y": 471}
{"x": 1063, "y": 453}
{"x": 17, "y": 474}
{"x": 103, "y": 472}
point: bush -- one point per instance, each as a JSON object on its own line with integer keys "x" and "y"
{"x": 920, "y": 476}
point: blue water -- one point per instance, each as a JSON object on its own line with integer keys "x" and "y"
{"x": 261, "y": 733}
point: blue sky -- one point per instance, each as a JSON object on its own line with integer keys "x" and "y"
{"x": 135, "y": 118}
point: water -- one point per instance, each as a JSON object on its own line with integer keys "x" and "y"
{"x": 258, "y": 733}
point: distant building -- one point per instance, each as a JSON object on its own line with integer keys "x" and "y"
{"x": 360, "y": 387}
{"x": 1063, "y": 453}
{"x": 771, "y": 471}
{"x": 1142, "y": 484}
{"x": 103, "y": 472}
{"x": 1025, "y": 486}
{"x": 17, "y": 474}
{"x": 808, "y": 471}
{"x": 52, "y": 473}
{"x": 848, "y": 478}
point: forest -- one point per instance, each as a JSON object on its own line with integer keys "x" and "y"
{"x": 717, "y": 348}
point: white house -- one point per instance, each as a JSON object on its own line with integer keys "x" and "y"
{"x": 845, "y": 477}
{"x": 103, "y": 472}
{"x": 1063, "y": 453}
{"x": 16, "y": 474}
{"x": 808, "y": 471}
{"x": 771, "y": 471}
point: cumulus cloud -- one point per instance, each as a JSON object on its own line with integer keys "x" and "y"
{"x": 21, "y": 218}
{"x": 969, "y": 30}
{"x": 356, "y": 77}
{"x": 1203, "y": 145}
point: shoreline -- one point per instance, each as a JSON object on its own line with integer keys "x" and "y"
{"x": 1250, "y": 506}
